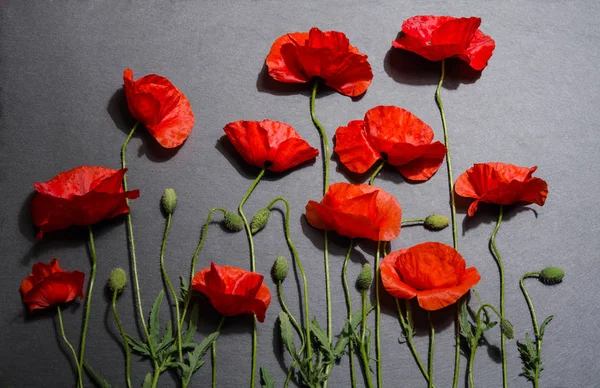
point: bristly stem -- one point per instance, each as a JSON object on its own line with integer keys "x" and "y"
{"x": 124, "y": 337}
{"x": 408, "y": 333}
{"x": 214, "y": 355}
{"x": 431, "y": 349}
{"x": 363, "y": 327}
{"x": 534, "y": 321}
{"x": 62, "y": 331}
{"x": 501, "y": 272}
{"x": 376, "y": 172}
{"x": 378, "y": 316}
{"x": 88, "y": 299}
{"x": 350, "y": 310}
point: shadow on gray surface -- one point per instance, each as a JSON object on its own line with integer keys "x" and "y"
{"x": 487, "y": 213}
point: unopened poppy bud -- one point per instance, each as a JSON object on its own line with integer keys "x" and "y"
{"x": 363, "y": 283}
{"x": 436, "y": 222}
{"x": 280, "y": 268}
{"x": 169, "y": 201}
{"x": 259, "y": 220}
{"x": 551, "y": 275}
{"x": 507, "y": 328}
{"x": 117, "y": 280}
{"x": 233, "y": 221}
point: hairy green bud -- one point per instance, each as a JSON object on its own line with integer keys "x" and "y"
{"x": 259, "y": 220}
{"x": 436, "y": 222}
{"x": 233, "y": 221}
{"x": 169, "y": 201}
{"x": 507, "y": 328}
{"x": 363, "y": 282}
{"x": 551, "y": 275}
{"x": 117, "y": 280}
{"x": 280, "y": 268}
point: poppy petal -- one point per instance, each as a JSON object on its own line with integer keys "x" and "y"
{"x": 439, "y": 298}
{"x": 57, "y": 288}
{"x": 423, "y": 166}
{"x": 353, "y": 149}
{"x": 392, "y": 282}
{"x": 479, "y": 51}
{"x": 250, "y": 140}
{"x": 282, "y": 60}
{"x": 291, "y": 153}
{"x": 348, "y": 73}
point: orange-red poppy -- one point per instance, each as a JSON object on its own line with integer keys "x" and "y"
{"x": 357, "y": 211}
{"x": 82, "y": 196}
{"x": 298, "y": 57}
{"x": 440, "y": 37}
{"x": 48, "y": 285}
{"x": 154, "y": 101}
{"x": 269, "y": 144}
{"x": 433, "y": 272}
{"x": 395, "y": 134}
{"x": 502, "y": 184}
{"x": 233, "y": 291}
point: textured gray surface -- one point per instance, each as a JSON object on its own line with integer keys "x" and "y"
{"x": 61, "y": 64}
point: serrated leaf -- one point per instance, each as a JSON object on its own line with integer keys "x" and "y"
{"x": 138, "y": 346}
{"x": 98, "y": 381}
{"x": 543, "y": 326}
{"x": 168, "y": 334}
{"x": 321, "y": 338}
{"x": 183, "y": 289}
{"x": 489, "y": 325}
{"x": 147, "y": 381}
{"x": 153, "y": 321}
{"x": 286, "y": 334}
{"x": 188, "y": 336}
{"x": 266, "y": 380}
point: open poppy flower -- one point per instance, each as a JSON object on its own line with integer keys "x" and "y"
{"x": 440, "y": 37}
{"x": 48, "y": 285}
{"x": 502, "y": 184}
{"x": 394, "y": 133}
{"x": 433, "y": 272}
{"x": 269, "y": 144}
{"x": 160, "y": 106}
{"x": 82, "y": 196}
{"x": 357, "y": 211}
{"x": 298, "y": 57}
{"x": 233, "y": 291}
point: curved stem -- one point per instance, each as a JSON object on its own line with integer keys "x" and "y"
{"x": 378, "y": 317}
{"x": 288, "y": 313}
{"x": 536, "y": 328}
{"x": 501, "y": 272}
{"x": 62, "y": 331}
{"x": 214, "y": 355}
{"x": 88, "y": 299}
{"x": 376, "y": 172}
{"x": 363, "y": 353}
{"x": 289, "y": 375}
{"x": 431, "y": 348}
{"x": 349, "y": 305}
{"x": 124, "y": 337}
{"x": 410, "y": 340}
{"x": 413, "y": 220}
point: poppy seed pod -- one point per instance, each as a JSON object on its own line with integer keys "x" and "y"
{"x": 233, "y": 222}
{"x": 169, "y": 201}
{"x": 365, "y": 278}
{"x": 507, "y": 328}
{"x": 551, "y": 275}
{"x": 259, "y": 220}
{"x": 280, "y": 268}
{"x": 436, "y": 222}
{"x": 117, "y": 280}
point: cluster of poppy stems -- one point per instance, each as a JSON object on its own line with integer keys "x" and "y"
{"x": 434, "y": 273}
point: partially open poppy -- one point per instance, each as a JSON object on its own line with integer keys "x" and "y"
{"x": 357, "y": 211}
{"x": 233, "y": 291}
{"x": 48, "y": 285}
{"x": 394, "y": 133}
{"x": 433, "y": 272}
{"x": 502, "y": 184}
{"x": 269, "y": 144}
{"x": 160, "y": 106}
{"x": 82, "y": 196}
{"x": 298, "y": 57}
{"x": 440, "y": 37}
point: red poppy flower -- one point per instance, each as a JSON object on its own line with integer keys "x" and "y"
{"x": 82, "y": 196}
{"x": 233, "y": 291}
{"x": 48, "y": 285}
{"x": 502, "y": 184}
{"x": 160, "y": 106}
{"x": 299, "y": 56}
{"x": 357, "y": 211}
{"x": 433, "y": 272}
{"x": 271, "y": 144}
{"x": 440, "y": 37}
{"x": 395, "y": 132}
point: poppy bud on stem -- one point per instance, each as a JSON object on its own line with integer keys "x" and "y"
{"x": 117, "y": 280}
{"x": 259, "y": 220}
{"x": 169, "y": 201}
{"x": 233, "y": 222}
{"x": 280, "y": 268}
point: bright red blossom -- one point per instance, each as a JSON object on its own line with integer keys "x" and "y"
{"x": 48, "y": 285}
{"x": 270, "y": 144}
{"x": 160, "y": 106}
{"x": 233, "y": 291}
{"x": 298, "y": 57}
{"x": 394, "y": 133}
{"x": 502, "y": 184}
{"x": 439, "y": 37}
{"x": 82, "y": 196}
{"x": 433, "y": 272}
{"x": 357, "y": 211}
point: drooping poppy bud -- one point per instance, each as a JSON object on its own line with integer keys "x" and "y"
{"x": 280, "y": 268}
{"x": 233, "y": 222}
{"x": 169, "y": 201}
{"x": 259, "y": 220}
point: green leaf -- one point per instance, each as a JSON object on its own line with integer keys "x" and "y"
{"x": 286, "y": 334}
{"x": 266, "y": 380}
{"x": 153, "y": 322}
{"x": 183, "y": 289}
{"x": 530, "y": 358}
{"x": 321, "y": 339}
{"x": 147, "y": 381}
{"x": 138, "y": 346}
{"x": 99, "y": 381}
{"x": 543, "y": 326}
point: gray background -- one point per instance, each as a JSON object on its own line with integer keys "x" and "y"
{"x": 62, "y": 105}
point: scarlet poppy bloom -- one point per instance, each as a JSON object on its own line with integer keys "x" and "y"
{"x": 402, "y": 137}
{"x": 82, "y": 196}
{"x": 433, "y": 272}
{"x": 298, "y": 57}
{"x": 160, "y": 106}
{"x": 233, "y": 291}
{"x": 440, "y": 37}
{"x": 48, "y": 285}
{"x": 269, "y": 144}
{"x": 357, "y": 211}
{"x": 502, "y": 184}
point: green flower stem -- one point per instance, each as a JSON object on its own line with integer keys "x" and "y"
{"x": 302, "y": 273}
{"x": 88, "y": 300}
{"x": 501, "y": 271}
{"x": 413, "y": 220}
{"x": 289, "y": 375}
{"x": 536, "y": 328}
{"x": 214, "y": 355}
{"x": 363, "y": 334}
{"x": 252, "y": 266}
{"x": 378, "y": 316}
{"x": 408, "y": 333}
{"x": 376, "y": 172}
{"x": 350, "y": 310}
{"x": 170, "y": 285}
{"x": 288, "y": 312}
{"x": 323, "y": 134}
{"x": 188, "y": 297}
{"x": 62, "y": 331}
{"x": 475, "y": 340}
{"x": 431, "y": 349}
{"x": 124, "y": 337}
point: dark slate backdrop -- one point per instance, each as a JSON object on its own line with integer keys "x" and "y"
{"x": 62, "y": 105}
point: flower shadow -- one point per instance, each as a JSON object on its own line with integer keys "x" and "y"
{"x": 266, "y": 84}
{"x": 487, "y": 213}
